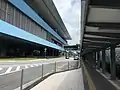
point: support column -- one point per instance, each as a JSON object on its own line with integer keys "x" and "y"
{"x": 103, "y": 61}
{"x": 98, "y": 60}
{"x": 112, "y": 64}
{"x": 2, "y": 50}
{"x": 53, "y": 52}
{"x": 50, "y": 52}
{"x": 95, "y": 58}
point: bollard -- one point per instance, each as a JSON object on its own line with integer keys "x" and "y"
{"x": 42, "y": 71}
{"x": 68, "y": 65}
{"x": 78, "y": 64}
{"x": 21, "y": 83}
{"x": 55, "y": 67}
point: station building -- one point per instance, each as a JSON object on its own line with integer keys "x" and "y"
{"x": 28, "y": 26}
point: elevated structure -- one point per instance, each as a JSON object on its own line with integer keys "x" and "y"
{"x": 47, "y": 10}
{"x": 27, "y": 26}
{"x": 100, "y": 33}
{"x": 100, "y": 24}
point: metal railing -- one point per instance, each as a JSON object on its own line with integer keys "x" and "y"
{"x": 26, "y": 77}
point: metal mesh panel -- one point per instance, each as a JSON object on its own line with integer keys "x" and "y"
{"x": 117, "y": 50}
{"x": 107, "y": 56}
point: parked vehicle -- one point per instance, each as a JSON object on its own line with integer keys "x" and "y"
{"x": 76, "y": 57}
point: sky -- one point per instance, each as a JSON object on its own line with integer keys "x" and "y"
{"x": 69, "y": 11}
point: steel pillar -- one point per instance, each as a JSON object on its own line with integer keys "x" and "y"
{"x": 94, "y": 58}
{"x": 53, "y": 54}
{"x": 103, "y": 61}
{"x": 112, "y": 64}
{"x": 2, "y": 50}
{"x": 98, "y": 60}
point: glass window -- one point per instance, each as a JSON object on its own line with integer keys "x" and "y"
{"x": 8, "y": 18}
{"x": 15, "y": 17}
{"x": 37, "y": 30}
{"x": 2, "y": 15}
{"x": 34, "y": 28}
{"x": 29, "y": 25}
{"x": 3, "y": 5}
{"x": 10, "y": 14}
{"x": 0, "y": 3}
{"x": 23, "y": 22}
{"x": 10, "y": 9}
{"x": 20, "y": 20}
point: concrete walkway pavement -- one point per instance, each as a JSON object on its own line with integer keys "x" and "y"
{"x": 69, "y": 80}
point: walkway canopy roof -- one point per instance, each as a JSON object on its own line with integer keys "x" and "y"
{"x": 100, "y": 24}
{"x": 47, "y": 10}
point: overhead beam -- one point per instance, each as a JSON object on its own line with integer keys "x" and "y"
{"x": 101, "y": 38}
{"x": 110, "y": 3}
{"x": 111, "y": 35}
{"x": 91, "y": 46}
{"x": 102, "y": 6}
{"x": 103, "y": 15}
{"x": 105, "y": 25}
{"x": 104, "y": 42}
{"x": 96, "y": 36}
{"x": 102, "y": 32}
{"x": 108, "y": 31}
{"x": 94, "y": 44}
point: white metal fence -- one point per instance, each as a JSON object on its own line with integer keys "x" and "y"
{"x": 25, "y": 77}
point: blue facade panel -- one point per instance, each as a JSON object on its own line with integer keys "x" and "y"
{"x": 21, "y": 5}
{"x": 19, "y": 33}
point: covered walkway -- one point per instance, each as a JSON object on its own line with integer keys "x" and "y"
{"x": 100, "y": 40}
{"x": 93, "y": 80}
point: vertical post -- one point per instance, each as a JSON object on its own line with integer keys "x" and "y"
{"x": 65, "y": 55}
{"x": 55, "y": 67}
{"x": 6, "y": 12}
{"x": 45, "y": 51}
{"x": 79, "y": 63}
{"x": 103, "y": 61}
{"x": 95, "y": 58}
{"x": 98, "y": 60}
{"x": 42, "y": 71}
{"x": 53, "y": 52}
{"x": 21, "y": 83}
{"x": 112, "y": 64}
{"x": 68, "y": 65}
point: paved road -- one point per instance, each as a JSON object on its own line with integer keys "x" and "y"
{"x": 12, "y": 81}
{"x": 10, "y": 66}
